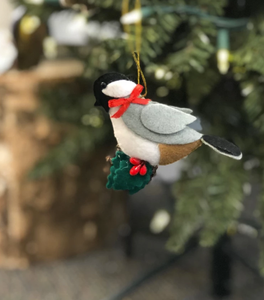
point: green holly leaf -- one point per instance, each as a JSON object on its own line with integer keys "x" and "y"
{"x": 120, "y": 178}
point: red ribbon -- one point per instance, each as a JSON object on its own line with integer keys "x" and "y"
{"x": 125, "y": 102}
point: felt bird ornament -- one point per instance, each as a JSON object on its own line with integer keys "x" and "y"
{"x": 148, "y": 131}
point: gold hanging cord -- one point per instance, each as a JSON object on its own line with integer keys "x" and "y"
{"x": 138, "y": 31}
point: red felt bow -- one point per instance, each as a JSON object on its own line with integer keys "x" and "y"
{"x": 125, "y": 102}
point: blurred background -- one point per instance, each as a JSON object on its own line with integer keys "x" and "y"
{"x": 195, "y": 232}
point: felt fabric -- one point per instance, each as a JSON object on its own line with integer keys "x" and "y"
{"x": 132, "y": 119}
{"x": 120, "y": 179}
{"x": 171, "y": 153}
{"x": 183, "y": 109}
{"x": 125, "y": 102}
{"x": 101, "y": 83}
{"x": 154, "y": 132}
{"x": 164, "y": 119}
{"x": 120, "y": 88}
{"x": 133, "y": 144}
{"x": 222, "y": 146}
{"x": 196, "y": 125}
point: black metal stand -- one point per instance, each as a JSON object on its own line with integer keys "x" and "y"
{"x": 128, "y": 244}
{"x": 222, "y": 267}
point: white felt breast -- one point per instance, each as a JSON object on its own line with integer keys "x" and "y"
{"x": 132, "y": 144}
{"x": 119, "y": 88}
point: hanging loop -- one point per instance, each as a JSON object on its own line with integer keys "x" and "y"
{"x": 137, "y": 43}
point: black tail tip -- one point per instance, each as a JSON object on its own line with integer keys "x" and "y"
{"x": 222, "y": 146}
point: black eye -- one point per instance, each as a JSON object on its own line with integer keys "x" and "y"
{"x": 103, "y": 85}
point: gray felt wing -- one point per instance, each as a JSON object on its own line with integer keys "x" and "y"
{"x": 132, "y": 119}
{"x": 185, "y": 110}
{"x": 165, "y": 119}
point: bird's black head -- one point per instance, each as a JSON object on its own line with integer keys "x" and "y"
{"x": 111, "y": 86}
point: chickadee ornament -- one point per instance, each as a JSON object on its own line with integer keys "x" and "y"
{"x": 148, "y": 133}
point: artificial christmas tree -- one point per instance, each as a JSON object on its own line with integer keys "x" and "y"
{"x": 179, "y": 58}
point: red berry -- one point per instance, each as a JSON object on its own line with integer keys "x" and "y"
{"x": 143, "y": 170}
{"x": 134, "y": 170}
{"x": 135, "y": 161}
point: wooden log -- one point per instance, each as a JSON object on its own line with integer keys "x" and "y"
{"x": 55, "y": 217}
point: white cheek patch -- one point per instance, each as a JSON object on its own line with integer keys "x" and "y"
{"x": 119, "y": 88}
